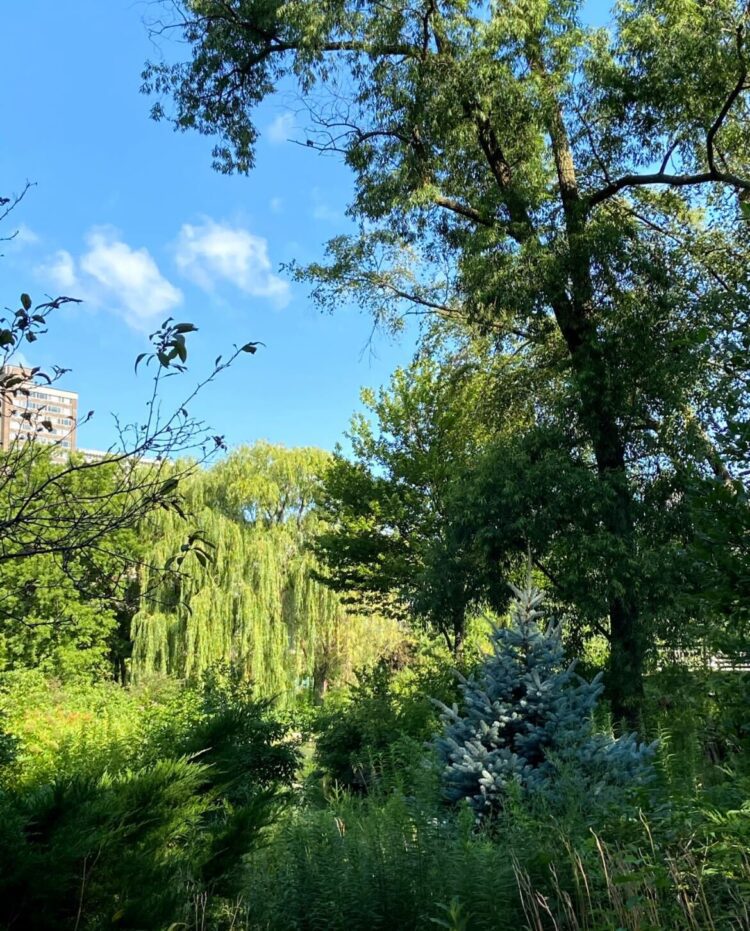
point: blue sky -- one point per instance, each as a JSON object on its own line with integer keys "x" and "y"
{"x": 130, "y": 216}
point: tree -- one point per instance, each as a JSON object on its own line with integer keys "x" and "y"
{"x": 70, "y": 519}
{"x": 468, "y": 461}
{"x": 71, "y": 614}
{"x": 578, "y": 192}
{"x": 254, "y": 603}
{"x": 389, "y": 537}
{"x": 526, "y": 720}
{"x": 44, "y": 507}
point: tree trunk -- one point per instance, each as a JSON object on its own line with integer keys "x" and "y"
{"x": 599, "y": 415}
{"x": 320, "y": 683}
{"x": 625, "y": 674}
{"x": 575, "y": 314}
{"x": 572, "y": 299}
{"x": 459, "y": 632}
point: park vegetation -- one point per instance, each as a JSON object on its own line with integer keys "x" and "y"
{"x": 486, "y": 667}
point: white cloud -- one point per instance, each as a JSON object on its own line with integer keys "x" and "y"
{"x": 322, "y": 210}
{"x": 212, "y": 251}
{"x": 25, "y": 236}
{"x": 60, "y": 271}
{"x": 128, "y": 279}
{"x": 281, "y": 129}
{"x": 112, "y": 274}
{"x": 276, "y": 204}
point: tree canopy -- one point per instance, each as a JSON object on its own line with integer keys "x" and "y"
{"x": 252, "y": 602}
{"x": 577, "y": 192}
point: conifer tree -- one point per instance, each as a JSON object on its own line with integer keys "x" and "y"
{"x": 527, "y": 719}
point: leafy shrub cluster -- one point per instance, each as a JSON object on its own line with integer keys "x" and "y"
{"x": 373, "y": 731}
{"x": 123, "y": 834}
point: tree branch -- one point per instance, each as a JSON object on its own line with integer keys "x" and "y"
{"x": 713, "y": 175}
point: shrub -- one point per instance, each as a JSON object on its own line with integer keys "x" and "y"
{"x": 122, "y": 838}
{"x": 361, "y": 735}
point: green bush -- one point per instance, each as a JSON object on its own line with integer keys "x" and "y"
{"x": 159, "y": 804}
{"x": 377, "y": 862}
{"x": 361, "y": 735}
{"x": 386, "y": 861}
{"x": 702, "y": 717}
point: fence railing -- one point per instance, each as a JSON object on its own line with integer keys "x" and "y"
{"x": 702, "y": 658}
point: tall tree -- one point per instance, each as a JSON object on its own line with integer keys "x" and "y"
{"x": 391, "y": 536}
{"x": 255, "y": 602}
{"x": 571, "y": 187}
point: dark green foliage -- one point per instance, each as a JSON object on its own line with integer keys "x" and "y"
{"x": 388, "y": 538}
{"x": 118, "y": 846}
{"x": 378, "y": 864}
{"x": 375, "y": 734}
{"x": 390, "y": 861}
{"x": 720, "y": 562}
{"x": 222, "y": 724}
{"x": 701, "y": 717}
{"x": 125, "y": 839}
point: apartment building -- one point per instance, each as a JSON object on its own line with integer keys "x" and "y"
{"x": 22, "y": 413}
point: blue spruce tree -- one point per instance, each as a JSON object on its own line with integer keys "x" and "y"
{"x": 527, "y": 719}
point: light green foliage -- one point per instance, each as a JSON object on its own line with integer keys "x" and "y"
{"x": 253, "y": 603}
{"x": 45, "y": 622}
{"x": 76, "y": 728}
{"x": 64, "y": 613}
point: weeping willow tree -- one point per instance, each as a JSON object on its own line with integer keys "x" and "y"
{"x": 254, "y": 603}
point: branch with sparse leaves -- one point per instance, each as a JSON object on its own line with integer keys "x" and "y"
{"x": 50, "y": 502}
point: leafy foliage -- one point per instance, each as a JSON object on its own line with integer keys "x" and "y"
{"x": 171, "y": 804}
{"x": 253, "y": 602}
{"x": 578, "y": 194}
{"x": 390, "y": 538}
{"x": 374, "y": 735}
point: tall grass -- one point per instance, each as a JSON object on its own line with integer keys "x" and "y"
{"x": 378, "y": 863}
{"x": 395, "y": 861}
{"x": 638, "y": 890}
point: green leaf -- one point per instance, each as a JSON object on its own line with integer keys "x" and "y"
{"x": 25, "y": 301}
